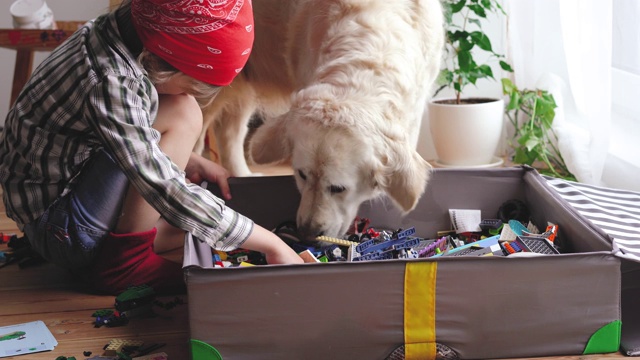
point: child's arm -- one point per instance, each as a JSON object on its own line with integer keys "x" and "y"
{"x": 260, "y": 239}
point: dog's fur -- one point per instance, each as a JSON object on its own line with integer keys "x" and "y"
{"x": 341, "y": 85}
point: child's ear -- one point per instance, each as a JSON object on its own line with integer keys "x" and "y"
{"x": 270, "y": 143}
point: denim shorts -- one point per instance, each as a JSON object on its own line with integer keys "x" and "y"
{"x": 70, "y": 231}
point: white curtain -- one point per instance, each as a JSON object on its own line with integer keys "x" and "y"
{"x": 564, "y": 46}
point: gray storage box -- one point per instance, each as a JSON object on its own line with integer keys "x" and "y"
{"x": 480, "y": 307}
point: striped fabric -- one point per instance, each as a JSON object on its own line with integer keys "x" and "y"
{"x": 617, "y": 212}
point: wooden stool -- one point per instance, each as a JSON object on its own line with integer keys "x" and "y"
{"x": 26, "y": 42}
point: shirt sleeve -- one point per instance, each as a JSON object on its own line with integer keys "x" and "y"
{"x": 121, "y": 109}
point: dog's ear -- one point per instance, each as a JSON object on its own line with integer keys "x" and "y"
{"x": 270, "y": 142}
{"x": 406, "y": 176}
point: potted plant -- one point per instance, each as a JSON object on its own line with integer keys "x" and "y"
{"x": 467, "y": 131}
{"x": 534, "y": 141}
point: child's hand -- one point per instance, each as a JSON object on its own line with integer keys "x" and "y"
{"x": 268, "y": 243}
{"x": 284, "y": 255}
{"x": 200, "y": 169}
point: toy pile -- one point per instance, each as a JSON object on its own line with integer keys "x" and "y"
{"x": 470, "y": 235}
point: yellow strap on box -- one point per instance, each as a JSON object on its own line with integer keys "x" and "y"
{"x": 420, "y": 310}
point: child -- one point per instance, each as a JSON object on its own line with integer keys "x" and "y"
{"x": 96, "y": 162}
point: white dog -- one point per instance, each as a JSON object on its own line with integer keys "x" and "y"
{"x": 342, "y": 86}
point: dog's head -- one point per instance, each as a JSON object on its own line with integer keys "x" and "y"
{"x": 338, "y": 165}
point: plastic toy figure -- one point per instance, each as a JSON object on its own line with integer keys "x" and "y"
{"x": 113, "y": 320}
{"x": 135, "y": 297}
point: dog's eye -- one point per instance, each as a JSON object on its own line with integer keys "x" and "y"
{"x": 302, "y": 175}
{"x": 336, "y": 189}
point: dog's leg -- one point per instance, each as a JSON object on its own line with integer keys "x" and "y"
{"x": 199, "y": 148}
{"x": 231, "y": 131}
{"x": 210, "y": 115}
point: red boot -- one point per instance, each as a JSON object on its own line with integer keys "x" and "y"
{"x": 128, "y": 259}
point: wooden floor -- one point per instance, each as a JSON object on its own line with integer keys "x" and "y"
{"x": 48, "y": 294}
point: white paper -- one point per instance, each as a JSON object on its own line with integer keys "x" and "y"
{"x": 25, "y": 338}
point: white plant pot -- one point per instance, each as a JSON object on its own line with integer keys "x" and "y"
{"x": 466, "y": 134}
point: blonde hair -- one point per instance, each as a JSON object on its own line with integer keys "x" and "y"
{"x": 160, "y": 71}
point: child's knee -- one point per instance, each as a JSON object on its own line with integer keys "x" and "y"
{"x": 179, "y": 113}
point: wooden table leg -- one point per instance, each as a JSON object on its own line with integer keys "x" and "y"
{"x": 21, "y": 72}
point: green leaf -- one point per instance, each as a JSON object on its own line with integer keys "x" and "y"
{"x": 549, "y": 97}
{"x": 546, "y": 119}
{"x": 481, "y": 40}
{"x": 544, "y": 106}
{"x": 465, "y": 60}
{"x": 445, "y": 77}
{"x": 476, "y": 22}
{"x": 546, "y": 102}
{"x": 514, "y": 101}
{"x": 478, "y": 10}
{"x": 464, "y": 45}
{"x": 508, "y": 87}
{"x": 456, "y": 7}
{"x": 537, "y": 133}
{"x": 486, "y": 70}
{"x": 505, "y": 66}
{"x": 529, "y": 141}
{"x": 500, "y": 8}
{"x": 523, "y": 157}
{"x": 457, "y": 35}
{"x": 528, "y": 95}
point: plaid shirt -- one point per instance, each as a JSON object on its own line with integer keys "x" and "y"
{"x": 89, "y": 94}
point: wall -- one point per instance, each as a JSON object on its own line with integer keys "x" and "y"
{"x": 67, "y": 10}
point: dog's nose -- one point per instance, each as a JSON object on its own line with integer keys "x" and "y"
{"x": 309, "y": 232}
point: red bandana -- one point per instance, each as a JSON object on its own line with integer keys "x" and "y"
{"x": 209, "y": 40}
